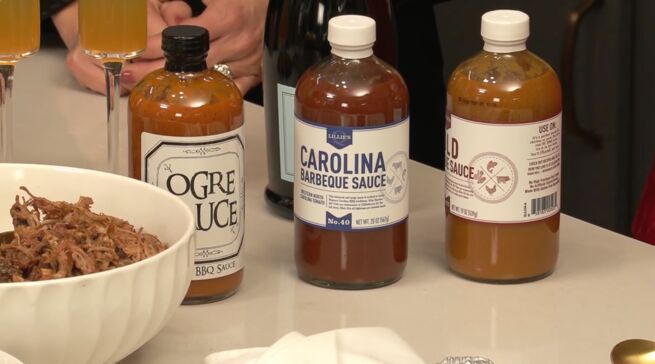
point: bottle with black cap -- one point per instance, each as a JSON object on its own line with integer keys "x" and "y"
{"x": 185, "y": 136}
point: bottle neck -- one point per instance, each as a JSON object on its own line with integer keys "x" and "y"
{"x": 186, "y": 63}
{"x": 504, "y": 46}
{"x": 352, "y": 52}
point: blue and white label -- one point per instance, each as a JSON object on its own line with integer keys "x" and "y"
{"x": 286, "y": 118}
{"x": 339, "y": 137}
{"x": 343, "y": 223}
{"x": 351, "y": 179}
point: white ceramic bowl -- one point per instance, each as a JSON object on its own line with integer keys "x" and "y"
{"x": 100, "y": 317}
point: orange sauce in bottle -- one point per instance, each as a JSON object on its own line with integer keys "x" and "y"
{"x": 504, "y": 89}
{"x": 349, "y": 94}
{"x": 176, "y": 106}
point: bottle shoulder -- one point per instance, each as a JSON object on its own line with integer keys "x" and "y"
{"x": 509, "y": 88}
{"x": 186, "y": 104}
{"x": 498, "y": 68}
{"x": 352, "y": 93}
{"x": 185, "y": 90}
{"x": 337, "y": 78}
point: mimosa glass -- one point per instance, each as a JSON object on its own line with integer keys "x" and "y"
{"x": 112, "y": 31}
{"x": 19, "y": 37}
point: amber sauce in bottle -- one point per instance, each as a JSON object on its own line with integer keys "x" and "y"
{"x": 351, "y": 93}
{"x": 503, "y": 88}
{"x": 185, "y": 99}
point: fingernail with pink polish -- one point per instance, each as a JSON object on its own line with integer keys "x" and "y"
{"x": 127, "y": 78}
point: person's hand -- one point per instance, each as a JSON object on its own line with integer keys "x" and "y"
{"x": 88, "y": 71}
{"x": 236, "y": 33}
{"x": 172, "y": 12}
{"x": 235, "y": 28}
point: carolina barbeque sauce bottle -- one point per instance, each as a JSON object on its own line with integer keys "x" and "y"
{"x": 186, "y": 137}
{"x": 503, "y": 150}
{"x": 351, "y": 158}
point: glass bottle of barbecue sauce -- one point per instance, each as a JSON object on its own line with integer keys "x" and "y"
{"x": 295, "y": 39}
{"x": 351, "y": 148}
{"x": 186, "y": 137}
{"x": 503, "y": 151}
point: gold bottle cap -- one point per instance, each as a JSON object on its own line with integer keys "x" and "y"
{"x": 634, "y": 351}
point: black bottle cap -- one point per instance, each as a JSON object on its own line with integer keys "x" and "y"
{"x": 185, "y": 40}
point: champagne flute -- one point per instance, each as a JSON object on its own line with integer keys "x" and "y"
{"x": 19, "y": 37}
{"x": 112, "y": 31}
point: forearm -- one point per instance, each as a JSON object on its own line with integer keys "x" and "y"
{"x": 65, "y": 20}
{"x": 51, "y": 7}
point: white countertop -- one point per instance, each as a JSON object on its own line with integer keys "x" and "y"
{"x": 602, "y": 292}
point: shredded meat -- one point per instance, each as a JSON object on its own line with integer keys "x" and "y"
{"x": 57, "y": 239}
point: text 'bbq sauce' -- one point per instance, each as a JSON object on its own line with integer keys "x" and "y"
{"x": 186, "y": 137}
{"x": 351, "y": 164}
{"x": 503, "y": 152}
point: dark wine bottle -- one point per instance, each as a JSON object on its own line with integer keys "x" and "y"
{"x": 295, "y": 39}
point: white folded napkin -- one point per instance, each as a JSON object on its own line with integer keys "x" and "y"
{"x": 364, "y": 345}
{"x": 5, "y": 358}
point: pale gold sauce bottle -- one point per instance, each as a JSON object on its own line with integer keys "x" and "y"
{"x": 503, "y": 85}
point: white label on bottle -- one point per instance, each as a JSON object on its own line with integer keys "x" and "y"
{"x": 351, "y": 178}
{"x": 285, "y": 105}
{"x": 503, "y": 173}
{"x": 207, "y": 174}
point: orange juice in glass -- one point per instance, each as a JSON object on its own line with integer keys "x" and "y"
{"x": 19, "y": 29}
{"x": 112, "y": 29}
{"x": 19, "y": 37}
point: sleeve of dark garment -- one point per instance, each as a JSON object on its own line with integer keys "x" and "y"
{"x": 51, "y": 7}
{"x": 421, "y": 65}
{"x": 399, "y": 4}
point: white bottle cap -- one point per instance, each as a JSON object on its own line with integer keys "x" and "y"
{"x": 351, "y": 36}
{"x": 505, "y": 31}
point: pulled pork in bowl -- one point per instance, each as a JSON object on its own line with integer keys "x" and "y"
{"x": 88, "y": 305}
{"x": 58, "y": 239}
